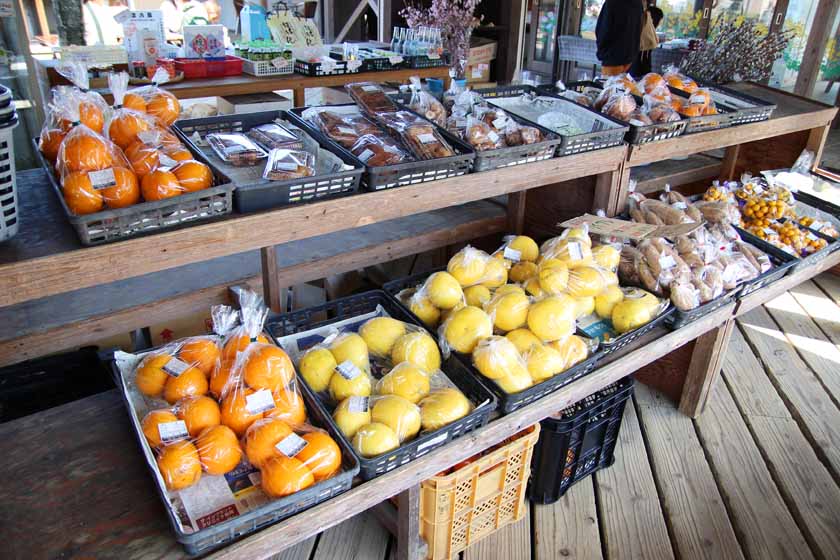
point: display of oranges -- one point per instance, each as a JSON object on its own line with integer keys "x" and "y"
{"x": 124, "y": 127}
{"x": 321, "y": 455}
{"x": 261, "y": 438}
{"x": 235, "y": 413}
{"x": 159, "y": 185}
{"x": 283, "y": 475}
{"x": 179, "y": 465}
{"x": 201, "y": 353}
{"x": 267, "y": 367}
{"x": 83, "y": 151}
{"x": 198, "y": 413}
{"x": 192, "y": 175}
{"x": 218, "y": 450}
{"x": 164, "y": 106}
{"x": 49, "y": 142}
{"x": 289, "y": 407}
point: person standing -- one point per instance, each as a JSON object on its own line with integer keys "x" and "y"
{"x": 618, "y": 33}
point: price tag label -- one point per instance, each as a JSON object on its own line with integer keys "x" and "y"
{"x": 258, "y": 402}
{"x": 366, "y": 155}
{"x": 575, "y": 251}
{"x": 636, "y": 122}
{"x": 103, "y": 179}
{"x": 493, "y": 137}
{"x": 512, "y": 254}
{"x": 460, "y": 123}
{"x": 285, "y": 166}
{"x": 679, "y": 205}
{"x": 348, "y": 370}
{"x": 353, "y": 65}
{"x": 279, "y": 62}
{"x": 433, "y": 56}
{"x": 175, "y": 367}
{"x": 427, "y": 138}
{"x": 667, "y": 262}
{"x": 358, "y": 404}
{"x": 345, "y": 130}
{"x": 167, "y": 161}
{"x": 499, "y": 122}
{"x": 769, "y": 231}
{"x": 291, "y": 445}
{"x": 172, "y": 431}
{"x": 816, "y": 225}
{"x": 395, "y": 59}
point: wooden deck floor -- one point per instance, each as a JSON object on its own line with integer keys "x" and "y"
{"x": 757, "y": 476}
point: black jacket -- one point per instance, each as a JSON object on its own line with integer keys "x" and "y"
{"x": 618, "y": 31}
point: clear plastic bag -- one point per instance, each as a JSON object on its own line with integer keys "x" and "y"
{"x": 652, "y": 81}
{"x": 469, "y": 266}
{"x": 636, "y": 310}
{"x": 421, "y": 137}
{"x": 274, "y": 135}
{"x": 125, "y": 122}
{"x": 284, "y": 165}
{"x": 159, "y": 103}
{"x": 346, "y": 129}
{"x": 620, "y": 106}
{"x": 481, "y": 136}
{"x": 92, "y": 108}
{"x": 236, "y": 149}
{"x": 378, "y": 150}
{"x": 552, "y": 317}
{"x": 463, "y": 329}
{"x": 370, "y": 97}
{"x": 425, "y": 103}
{"x": 659, "y": 112}
{"x": 547, "y": 360}
{"x": 497, "y": 358}
{"x": 677, "y": 79}
{"x": 509, "y": 310}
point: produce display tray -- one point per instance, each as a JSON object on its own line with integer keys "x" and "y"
{"x": 782, "y": 264}
{"x": 225, "y": 532}
{"x": 510, "y": 156}
{"x": 745, "y": 108}
{"x": 315, "y": 69}
{"x": 637, "y": 134}
{"x": 253, "y": 193}
{"x": 280, "y": 326}
{"x": 146, "y": 217}
{"x": 268, "y": 67}
{"x": 680, "y": 318}
{"x": 725, "y": 117}
{"x": 606, "y": 132}
{"x": 400, "y": 174}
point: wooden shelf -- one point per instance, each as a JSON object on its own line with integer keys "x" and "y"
{"x": 654, "y": 176}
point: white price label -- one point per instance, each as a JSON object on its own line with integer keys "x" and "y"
{"x": 493, "y": 137}
{"x": 175, "y": 367}
{"x": 460, "y": 123}
{"x": 667, "y": 262}
{"x": 358, "y": 404}
{"x": 259, "y": 402}
{"x": 816, "y": 225}
{"x": 769, "y": 231}
{"x": 697, "y": 100}
{"x": 167, "y": 161}
{"x": 636, "y": 122}
{"x": 499, "y": 122}
{"x": 370, "y": 88}
{"x": 285, "y": 166}
{"x": 575, "y": 251}
{"x": 476, "y": 73}
{"x": 279, "y": 62}
{"x": 512, "y": 254}
{"x": 103, "y": 179}
{"x": 291, "y": 445}
{"x": 366, "y": 155}
{"x": 172, "y": 431}
{"x": 427, "y": 138}
{"x": 433, "y": 56}
{"x": 345, "y": 130}
{"x": 395, "y": 59}
{"x": 348, "y": 370}
{"x": 353, "y": 65}
{"x": 679, "y": 205}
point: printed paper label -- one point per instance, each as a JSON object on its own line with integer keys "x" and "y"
{"x": 366, "y": 155}
{"x": 512, "y": 254}
{"x": 395, "y": 59}
{"x": 667, "y": 262}
{"x": 680, "y": 205}
{"x": 434, "y": 56}
{"x": 697, "y": 100}
{"x": 279, "y": 62}
{"x": 370, "y": 88}
{"x": 500, "y": 122}
{"x": 427, "y": 138}
{"x": 167, "y": 161}
{"x": 358, "y": 404}
{"x": 175, "y": 367}
{"x": 345, "y": 130}
{"x": 493, "y": 137}
{"x": 102, "y": 179}
{"x": 460, "y": 123}
{"x": 575, "y": 251}
{"x": 285, "y": 166}
{"x": 769, "y": 231}
{"x": 348, "y": 370}
{"x": 258, "y": 402}
{"x": 816, "y": 225}
{"x": 291, "y": 445}
{"x": 172, "y": 431}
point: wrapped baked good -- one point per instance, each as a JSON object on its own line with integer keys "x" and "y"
{"x": 652, "y": 81}
{"x": 481, "y": 135}
{"x": 620, "y": 107}
{"x": 639, "y": 118}
{"x": 236, "y": 148}
{"x": 376, "y": 151}
{"x": 370, "y": 97}
{"x": 425, "y": 103}
{"x": 520, "y": 135}
{"x": 346, "y": 129}
{"x": 275, "y": 136}
{"x": 677, "y": 79}
{"x": 421, "y": 136}
{"x": 661, "y": 113}
{"x": 284, "y": 165}
{"x": 579, "y": 98}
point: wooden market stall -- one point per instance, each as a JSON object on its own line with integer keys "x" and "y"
{"x": 110, "y": 492}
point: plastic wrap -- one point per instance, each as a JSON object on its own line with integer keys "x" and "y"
{"x": 370, "y": 97}
{"x": 468, "y": 266}
{"x": 92, "y": 108}
{"x": 497, "y": 358}
{"x": 160, "y": 104}
{"x": 284, "y": 164}
{"x": 652, "y": 81}
{"x": 463, "y": 329}
{"x": 552, "y": 317}
{"x": 346, "y": 129}
{"x": 236, "y": 149}
{"x": 518, "y": 248}
{"x": 620, "y": 106}
{"x": 425, "y": 103}
{"x": 125, "y": 123}
{"x": 421, "y": 137}
{"x": 659, "y": 112}
{"x": 636, "y": 310}
{"x": 481, "y": 136}
{"x": 378, "y": 150}
{"x": 677, "y": 79}
{"x": 274, "y": 135}
{"x": 509, "y": 310}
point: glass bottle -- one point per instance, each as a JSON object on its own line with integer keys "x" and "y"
{"x": 395, "y": 41}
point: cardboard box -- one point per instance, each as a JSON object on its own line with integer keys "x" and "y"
{"x": 252, "y": 103}
{"x": 479, "y": 72}
{"x": 481, "y": 50}
{"x": 204, "y": 41}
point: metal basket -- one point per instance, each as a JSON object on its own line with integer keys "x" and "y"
{"x": 253, "y": 193}
{"x": 400, "y": 174}
{"x": 268, "y": 67}
{"x": 146, "y": 217}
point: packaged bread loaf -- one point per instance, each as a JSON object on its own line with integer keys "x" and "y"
{"x": 370, "y": 97}
{"x": 376, "y": 151}
{"x": 275, "y": 135}
{"x": 284, "y": 165}
{"x": 236, "y": 149}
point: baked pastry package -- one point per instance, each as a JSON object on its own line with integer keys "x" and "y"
{"x": 620, "y": 106}
{"x": 419, "y": 135}
{"x": 425, "y": 103}
{"x": 658, "y": 111}
{"x": 371, "y": 98}
{"x": 275, "y": 135}
{"x": 344, "y": 127}
{"x": 376, "y": 151}
{"x": 481, "y": 135}
{"x": 284, "y": 165}
{"x": 236, "y": 149}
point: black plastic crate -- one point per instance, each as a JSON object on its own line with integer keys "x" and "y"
{"x": 577, "y": 442}
{"x": 315, "y": 69}
{"x": 42, "y": 383}
{"x": 253, "y": 193}
{"x": 220, "y": 534}
{"x": 782, "y": 263}
{"x": 400, "y": 174}
{"x": 424, "y": 61}
{"x": 609, "y": 132}
{"x": 744, "y": 108}
{"x": 352, "y": 306}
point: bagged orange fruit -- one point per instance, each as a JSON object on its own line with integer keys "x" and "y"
{"x": 125, "y": 123}
{"x": 192, "y": 175}
{"x": 254, "y": 313}
{"x": 92, "y": 108}
{"x": 160, "y": 104}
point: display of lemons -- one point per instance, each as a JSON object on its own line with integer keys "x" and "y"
{"x": 495, "y": 274}
{"x": 351, "y": 347}
{"x": 610, "y": 277}
{"x": 509, "y": 311}
{"x": 398, "y": 414}
{"x": 509, "y": 289}
{"x": 423, "y": 308}
{"x": 443, "y": 290}
{"x": 150, "y": 424}
{"x": 532, "y": 286}
{"x": 198, "y": 413}
{"x": 190, "y": 383}
{"x": 527, "y": 247}
{"x": 321, "y": 455}
{"x": 341, "y": 387}
{"x": 267, "y": 367}
{"x": 477, "y": 295}
{"x": 553, "y": 277}
{"x": 179, "y": 465}
{"x": 317, "y": 366}
{"x": 606, "y": 256}
{"x": 405, "y": 380}
{"x": 523, "y": 339}
{"x": 573, "y": 349}
{"x": 636, "y": 309}
{"x": 466, "y": 327}
{"x": 552, "y": 318}
{"x": 521, "y": 271}
{"x": 468, "y": 265}
{"x": 218, "y": 450}
{"x": 375, "y": 439}
{"x": 544, "y": 362}
{"x": 586, "y": 281}
{"x": 261, "y": 438}
{"x": 514, "y": 383}
{"x": 442, "y": 407}
{"x": 496, "y": 357}
{"x": 150, "y": 378}
{"x": 380, "y": 333}
{"x": 281, "y": 476}
{"x": 584, "y": 306}
{"x": 350, "y": 419}
{"x": 606, "y": 300}
{"x": 569, "y": 250}
{"x": 445, "y": 314}
{"x": 419, "y": 349}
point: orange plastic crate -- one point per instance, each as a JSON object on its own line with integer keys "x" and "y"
{"x": 459, "y": 509}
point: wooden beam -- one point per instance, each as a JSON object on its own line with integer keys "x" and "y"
{"x": 43, "y": 23}
{"x": 730, "y": 161}
{"x": 809, "y": 69}
{"x": 704, "y": 369}
{"x": 408, "y": 524}
{"x": 383, "y": 21}
{"x": 357, "y": 11}
{"x": 516, "y": 212}
{"x": 816, "y": 143}
{"x": 272, "y": 292}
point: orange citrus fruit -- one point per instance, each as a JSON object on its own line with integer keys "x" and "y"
{"x": 142, "y": 157}
{"x": 238, "y": 343}
{"x": 135, "y": 102}
{"x": 125, "y": 193}
{"x": 85, "y": 152}
{"x": 124, "y": 127}
{"x": 234, "y": 413}
{"x": 268, "y": 367}
{"x": 179, "y": 465}
{"x": 261, "y": 438}
{"x": 189, "y": 384}
{"x": 91, "y": 116}
{"x": 80, "y": 196}
{"x": 282, "y": 476}
{"x": 159, "y": 185}
{"x": 150, "y": 378}
{"x": 321, "y": 455}
{"x": 198, "y": 413}
{"x": 193, "y": 175}
{"x": 164, "y": 106}
{"x": 178, "y": 154}
{"x": 150, "y": 424}
{"x": 289, "y": 407}
{"x": 218, "y": 450}
{"x": 49, "y": 143}
{"x": 220, "y": 377}
{"x": 201, "y": 353}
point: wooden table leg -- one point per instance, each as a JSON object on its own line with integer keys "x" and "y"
{"x": 704, "y": 368}
{"x": 408, "y": 524}
{"x": 272, "y": 293}
{"x": 730, "y": 159}
{"x": 299, "y": 96}
{"x": 516, "y": 212}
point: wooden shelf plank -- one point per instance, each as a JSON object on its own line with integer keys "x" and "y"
{"x": 653, "y": 177}
{"x": 511, "y": 542}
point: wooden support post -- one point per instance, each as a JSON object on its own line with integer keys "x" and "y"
{"x": 730, "y": 161}
{"x": 516, "y": 212}
{"x": 816, "y": 142}
{"x": 271, "y": 281}
{"x": 386, "y": 514}
{"x": 809, "y": 70}
{"x": 408, "y": 524}
{"x": 611, "y": 190}
{"x": 704, "y": 368}
{"x": 299, "y": 96}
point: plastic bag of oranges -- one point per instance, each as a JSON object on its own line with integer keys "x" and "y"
{"x": 677, "y": 79}
{"x": 126, "y": 120}
{"x": 156, "y": 101}
{"x": 93, "y": 110}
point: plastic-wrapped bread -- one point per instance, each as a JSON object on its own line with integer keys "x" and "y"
{"x": 370, "y": 97}
{"x": 284, "y": 165}
{"x": 236, "y": 149}
{"x": 481, "y": 136}
{"x": 275, "y": 135}
{"x": 376, "y": 151}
